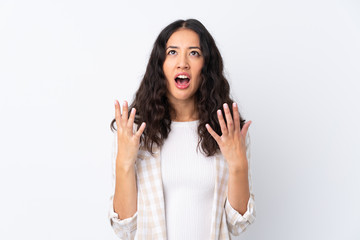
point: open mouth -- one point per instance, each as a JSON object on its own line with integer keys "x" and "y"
{"x": 182, "y": 81}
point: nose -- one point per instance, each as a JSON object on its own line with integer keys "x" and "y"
{"x": 183, "y": 62}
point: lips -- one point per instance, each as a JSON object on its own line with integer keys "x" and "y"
{"x": 182, "y": 80}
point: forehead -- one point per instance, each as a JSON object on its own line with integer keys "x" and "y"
{"x": 184, "y": 38}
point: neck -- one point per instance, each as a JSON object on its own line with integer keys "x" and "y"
{"x": 185, "y": 111}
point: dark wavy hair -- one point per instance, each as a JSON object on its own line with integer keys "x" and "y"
{"x": 151, "y": 102}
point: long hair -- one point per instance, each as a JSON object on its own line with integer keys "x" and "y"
{"x": 151, "y": 102}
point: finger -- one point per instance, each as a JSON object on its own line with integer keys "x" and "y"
{"x": 229, "y": 120}
{"x": 131, "y": 119}
{"x": 124, "y": 114}
{"x": 236, "y": 117}
{"x": 117, "y": 113}
{"x": 222, "y": 122}
{"x": 141, "y": 130}
{"x": 213, "y": 133}
{"x": 245, "y": 128}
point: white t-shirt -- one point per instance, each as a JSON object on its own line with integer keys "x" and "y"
{"x": 188, "y": 181}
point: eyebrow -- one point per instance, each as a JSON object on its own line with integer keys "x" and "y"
{"x": 178, "y": 47}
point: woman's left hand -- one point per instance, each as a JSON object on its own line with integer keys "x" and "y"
{"x": 232, "y": 141}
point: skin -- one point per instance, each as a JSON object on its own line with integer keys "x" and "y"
{"x": 183, "y": 54}
{"x": 232, "y": 146}
{"x": 128, "y": 149}
{"x": 125, "y": 196}
{"x": 232, "y": 141}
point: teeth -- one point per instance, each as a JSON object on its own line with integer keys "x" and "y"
{"x": 182, "y": 76}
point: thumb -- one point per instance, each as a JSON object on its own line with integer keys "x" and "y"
{"x": 245, "y": 128}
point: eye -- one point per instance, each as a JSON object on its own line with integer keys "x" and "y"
{"x": 171, "y": 52}
{"x": 194, "y": 53}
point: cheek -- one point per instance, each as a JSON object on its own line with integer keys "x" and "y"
{"x": 198, "y": 70}
{"x": 166, "y": 69}
{"x": 199, "y": 82}
{"x": 199, "y": 66}
{"x": 167, "y": 74}
{"x": 199, "y": 75}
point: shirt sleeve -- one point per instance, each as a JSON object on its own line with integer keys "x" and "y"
{"x": 125, "y": 229}
{"x": 236, "y": 222}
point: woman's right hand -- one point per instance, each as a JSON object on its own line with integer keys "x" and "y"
{"x": 128, "y": 142}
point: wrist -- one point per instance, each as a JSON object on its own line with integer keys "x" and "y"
{"x": 235, "y": 169}
{"x": 125, "y": 169}
{"x": 125, "y": 162}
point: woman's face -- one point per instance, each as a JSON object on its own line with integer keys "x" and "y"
{"x": 182, "y": 66}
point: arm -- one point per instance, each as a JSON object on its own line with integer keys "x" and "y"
{"x": 232, "y": 146}
{"x": 125, "y": 197}
{"x": 240, "y": 202}
{"x": 122, "y": 219}
{"x": 238, "y": 190}
{"x": 123, "y": 211}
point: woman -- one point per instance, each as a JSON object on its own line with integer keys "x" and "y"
{"x": 181, "y": 169}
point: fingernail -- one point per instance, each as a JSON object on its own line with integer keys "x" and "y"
{"x": 234, "y": 104}
{"x": 115, "y": 102}
{"x": 124, "y": 103}
{"x": 225, "y": 105}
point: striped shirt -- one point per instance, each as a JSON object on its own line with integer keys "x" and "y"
{"x": 149, "y": 220}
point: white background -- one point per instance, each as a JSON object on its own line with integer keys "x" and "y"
{"x": 294, "y": 68}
